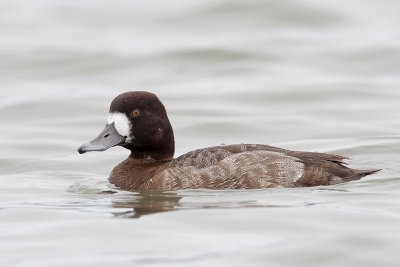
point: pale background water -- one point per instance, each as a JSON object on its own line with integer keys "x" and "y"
{"x": 308, "y": 75}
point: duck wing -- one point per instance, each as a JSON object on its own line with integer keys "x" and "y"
{"x": 257, "y": 166}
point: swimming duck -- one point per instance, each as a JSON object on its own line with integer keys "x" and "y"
{"x": 138, "y": 122}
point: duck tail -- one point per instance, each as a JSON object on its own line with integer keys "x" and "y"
{"x": 362, "y": 173}
{"x": 358, "y": 174}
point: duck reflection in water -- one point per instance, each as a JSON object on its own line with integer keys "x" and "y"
{"x": 151, "y": 202}
{"x": 145, "y": 203}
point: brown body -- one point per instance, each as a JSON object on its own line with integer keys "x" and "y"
{"x": 235, "y": 167}
{"x": 138, "y": 121}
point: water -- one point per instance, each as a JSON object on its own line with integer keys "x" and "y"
{"x": 305, "y": 75}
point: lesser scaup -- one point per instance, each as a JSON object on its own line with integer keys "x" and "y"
{"x": 138, "y": 121}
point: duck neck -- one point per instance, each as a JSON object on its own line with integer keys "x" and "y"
{"x": 161, "y": 152}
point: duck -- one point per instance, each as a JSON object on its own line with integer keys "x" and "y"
{"x": 138, "y": 121}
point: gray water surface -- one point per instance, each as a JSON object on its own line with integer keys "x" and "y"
{"x": 303, "y": 75}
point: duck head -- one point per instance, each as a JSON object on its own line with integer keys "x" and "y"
{"x": 137, "y": 121}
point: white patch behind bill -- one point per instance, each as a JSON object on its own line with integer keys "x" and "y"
{"x": 121, "y": 122}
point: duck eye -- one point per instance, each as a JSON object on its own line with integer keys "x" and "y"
{"x": 135, "y": 113}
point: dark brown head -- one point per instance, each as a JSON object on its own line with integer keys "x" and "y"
{"x": 137, "y": 121}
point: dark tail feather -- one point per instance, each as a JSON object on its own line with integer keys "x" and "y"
{"x": 361, "y": 173}
{"x": 369, "y": 172}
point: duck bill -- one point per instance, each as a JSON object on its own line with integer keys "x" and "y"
{"x": 108, "y": 138}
